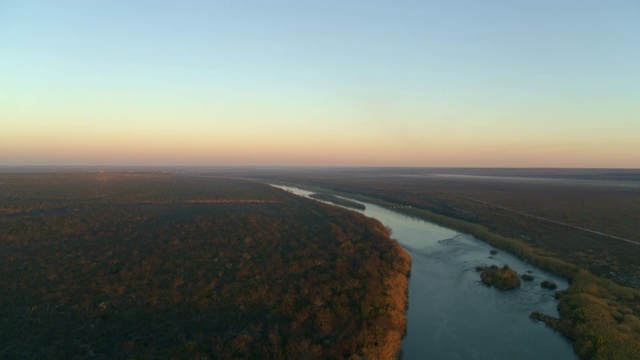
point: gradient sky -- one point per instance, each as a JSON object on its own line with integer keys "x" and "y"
{"x": 367, "y": 83}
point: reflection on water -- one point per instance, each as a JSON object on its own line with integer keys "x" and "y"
{"x": 451, "y": 315}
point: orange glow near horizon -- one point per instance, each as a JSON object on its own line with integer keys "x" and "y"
{"x": 116, "y": 146}
{"x": 330, "y": 83}
{"x": 100, "y": 133}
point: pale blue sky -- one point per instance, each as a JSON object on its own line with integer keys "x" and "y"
{"x": 489, "y": 83}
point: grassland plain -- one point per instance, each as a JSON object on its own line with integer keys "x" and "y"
{"x": 131, "y": 265}
{"x": 600, "y": 311}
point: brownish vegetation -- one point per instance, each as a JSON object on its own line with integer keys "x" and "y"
{"x": 499, "y": 205}
{"x": 548, "y": 284}
{"x": 539, "y": 219}
{"x": 503, "y": 278}
{"x": 526, "y": 277}
{"x": 160, "y": 266}
{"x": 602, "y": 317}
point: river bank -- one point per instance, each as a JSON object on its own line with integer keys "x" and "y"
{"x": 451, "y": 314}
{"x": 601, "y": 317}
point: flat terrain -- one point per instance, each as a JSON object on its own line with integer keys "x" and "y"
{"x": 119, "y": 265}
{"x": 590, "y": 218}
{"x": 583, "y": 224}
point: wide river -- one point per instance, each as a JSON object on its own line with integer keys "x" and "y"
{"x": 451, "y": 314}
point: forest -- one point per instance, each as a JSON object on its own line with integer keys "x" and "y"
{"x": 582, "y": 224}
{"x": 133, "y": 265}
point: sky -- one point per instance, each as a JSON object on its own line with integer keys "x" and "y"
{"x": 320, "y": 83}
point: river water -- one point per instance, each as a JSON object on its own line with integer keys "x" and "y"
{"x": 451, "y": 314}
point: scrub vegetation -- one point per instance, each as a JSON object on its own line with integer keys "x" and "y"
{"x": 527, "y": 277}
{"x": 539, "y": 219}
{"x": 158, "y": 266}
{"x": 548, "y": 284}
{"x": 503, "y": 278}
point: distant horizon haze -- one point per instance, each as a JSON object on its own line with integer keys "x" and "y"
{"x": 537, "y": 84}
{"x": 455, "y": 169}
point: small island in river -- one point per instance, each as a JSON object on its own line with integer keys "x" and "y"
{"x": 503, "y": 278}
{"x": 338, "y": 201}
{"x": 548, "y": 284}
{"x": 527, "y": 277}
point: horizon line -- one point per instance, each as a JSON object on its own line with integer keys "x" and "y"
{"x": 81, "y": 166}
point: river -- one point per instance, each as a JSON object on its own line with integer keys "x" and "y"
{"x": 451, "y": 314}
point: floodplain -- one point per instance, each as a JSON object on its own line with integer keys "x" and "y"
{"x": 582, "y": 224}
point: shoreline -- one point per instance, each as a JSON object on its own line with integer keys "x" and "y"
{"x": 588, "y": 308}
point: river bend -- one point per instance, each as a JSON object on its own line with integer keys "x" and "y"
{"x": 451, "y": 314}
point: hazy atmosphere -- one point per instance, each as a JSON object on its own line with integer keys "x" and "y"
{"x": 366, "y": 83}
{"x": 320, "y": 179}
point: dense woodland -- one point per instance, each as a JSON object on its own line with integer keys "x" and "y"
{"x": 132, "y": 265}
{"x": 600, "y": 311}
